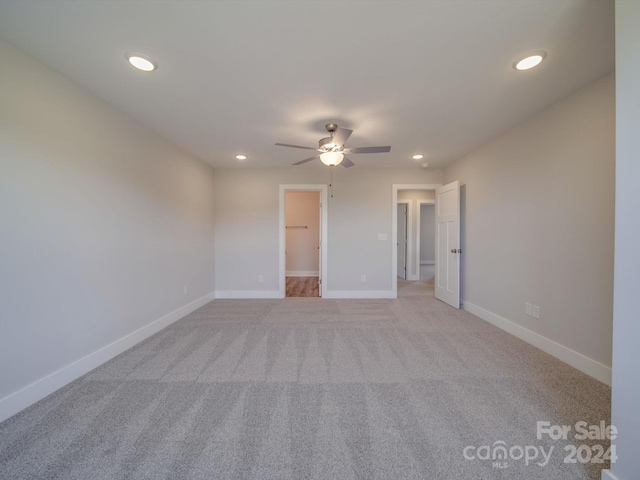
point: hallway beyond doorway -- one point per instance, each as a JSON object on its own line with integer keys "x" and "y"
{"x": 424, "y": 286}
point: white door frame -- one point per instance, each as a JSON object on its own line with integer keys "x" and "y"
{"x": 394, "y": 227}
{"x": 322, "y": 188}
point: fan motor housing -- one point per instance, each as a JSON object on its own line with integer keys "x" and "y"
{"x": 331, "y": 127}
{"x": 326, "y": 143}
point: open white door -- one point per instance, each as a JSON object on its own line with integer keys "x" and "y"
{"x": 448, "y": 250}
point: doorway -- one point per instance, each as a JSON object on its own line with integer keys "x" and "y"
{"x": 302, "y": 249}
{"x": 303, "y": 240}
{"x": 413, "y": 196}
{"x": 402, "y": 239}
{"x": 426, "y": 242}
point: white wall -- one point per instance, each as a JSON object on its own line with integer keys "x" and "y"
{"x": 538, "y": 221}
{"x": 427, "y": 234}
{"x": 416, "y": 194}
{"x": 103, "y": 224}
{"x": 302, "y": 222}
{"x": 246, "y": 239}
{"x": 626, "y": 327}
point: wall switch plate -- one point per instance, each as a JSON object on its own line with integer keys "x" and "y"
{"x": 186, "y": 289}
{"x": 363, "y": 278}
{"x": 382, "y": 236}
{"x": 527, "y": 309}
{"x": 260, "y": 278}
{"x": 536, "y": 311}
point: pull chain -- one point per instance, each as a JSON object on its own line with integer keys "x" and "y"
{"x": 331, "y": 180}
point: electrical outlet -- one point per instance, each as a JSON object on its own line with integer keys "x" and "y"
{"x": 260, "y": 278}
{"x": 527, "y": 309}
{"x": 536, "y": 311}
{"x": 363, "y": 278}
{"x": 186, "y": 289}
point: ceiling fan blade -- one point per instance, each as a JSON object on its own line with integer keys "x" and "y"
{"x": 307, "y": 160}
{"x": 295, "y": 146}
{"x": 346, "y": 163}
{"x": 367, "y": 150}
{"x": 341, "y": 135}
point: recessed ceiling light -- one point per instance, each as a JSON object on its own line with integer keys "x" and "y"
{"x": 418, "y": 156}
{"x": 241, "y": 157}
{"x": 141, "y": 62}
{"x": 530, "y": 61}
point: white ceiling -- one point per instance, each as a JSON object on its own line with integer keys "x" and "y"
{"x": 431, "y": 76}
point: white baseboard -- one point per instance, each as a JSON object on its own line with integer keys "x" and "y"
{"x": 331, "y": 294}
{"x": 21, "y": 399}
{"x": 337, "y": 294}
{"x": 248, "y": 294}
{"x": 607, "y": 475}
{"x": 577, "y": 360}
{"x": 301, "y": 273}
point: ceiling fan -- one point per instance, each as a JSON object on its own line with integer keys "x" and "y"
{"x": 332, "y": 149}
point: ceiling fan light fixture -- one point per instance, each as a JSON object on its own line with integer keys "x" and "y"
{"x": 332, "y": 148}
{"x": 331, "y": 159}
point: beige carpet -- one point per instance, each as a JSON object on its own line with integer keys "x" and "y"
{"x": 310, "y": 389}
{"x": 424, "y": 286}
